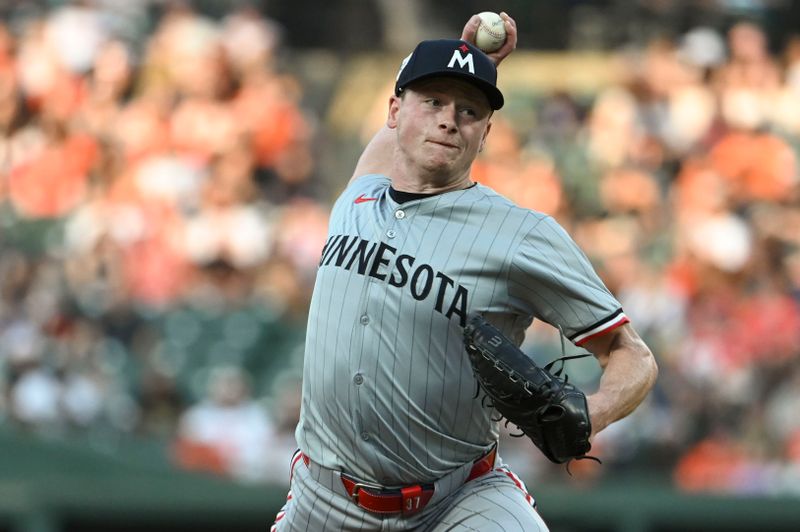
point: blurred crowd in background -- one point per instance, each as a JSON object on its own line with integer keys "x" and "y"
{"x": 163, "y": 207}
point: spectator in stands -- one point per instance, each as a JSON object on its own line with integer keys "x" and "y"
{"x": 227, "y": 432}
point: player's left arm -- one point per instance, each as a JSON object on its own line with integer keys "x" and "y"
{"x": 629, "y": 372}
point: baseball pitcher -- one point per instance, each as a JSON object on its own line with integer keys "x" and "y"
{"x": 425, "y": 288}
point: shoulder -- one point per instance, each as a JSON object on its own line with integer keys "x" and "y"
{"x": 537, "y": 234}
{"x": 368, "y": 181}
{"x": 495, "y": 201}
{"x": 368, "y": 186}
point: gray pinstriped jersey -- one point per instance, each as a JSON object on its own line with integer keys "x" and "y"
{"x": 388, "y": 392}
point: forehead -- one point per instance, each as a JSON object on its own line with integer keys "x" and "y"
{"x": 452, "y": 86}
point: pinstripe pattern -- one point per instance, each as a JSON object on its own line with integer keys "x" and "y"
{"x": 388, "y": 391}
{"x": 495, "y": 502}
{"x": 498, "y": 502}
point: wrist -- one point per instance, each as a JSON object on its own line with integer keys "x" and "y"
{"x": 598, "y": 412}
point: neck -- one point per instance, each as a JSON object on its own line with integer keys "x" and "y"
{"x": 428, "y": 183}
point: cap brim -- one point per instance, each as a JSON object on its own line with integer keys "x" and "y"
{"x": 492, "y": 93}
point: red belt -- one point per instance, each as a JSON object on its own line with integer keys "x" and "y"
{"x": 407, "y": 500}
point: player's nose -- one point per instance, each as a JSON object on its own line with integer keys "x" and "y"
{"x": 448, "y": 118}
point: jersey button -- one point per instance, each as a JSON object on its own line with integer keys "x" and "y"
{"x": 399, "y": 214}
{"x": 364, "y": 319}
{"x": 358, "y": 379}
{"x": 365, "y": 436}
{"x": 390, "y": 233}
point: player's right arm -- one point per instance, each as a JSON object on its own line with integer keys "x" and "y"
{"x": 377, "y": 156}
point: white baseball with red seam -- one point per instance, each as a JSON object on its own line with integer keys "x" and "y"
{"x": 491, "y": 32}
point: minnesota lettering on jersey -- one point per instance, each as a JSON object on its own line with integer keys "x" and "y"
{"x": 373, "y": 259}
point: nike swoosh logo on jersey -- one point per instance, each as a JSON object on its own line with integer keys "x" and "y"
{"x": 362, "y": 199}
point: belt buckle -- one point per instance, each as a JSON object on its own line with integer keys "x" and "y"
{"x": 361, "y": 485}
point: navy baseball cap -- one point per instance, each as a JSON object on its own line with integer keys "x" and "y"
{"x": 451, "y": 57}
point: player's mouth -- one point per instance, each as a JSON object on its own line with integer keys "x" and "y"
{"x": 445, "y": 144}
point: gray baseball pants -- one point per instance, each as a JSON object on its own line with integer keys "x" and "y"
{"x": 494, "y": 502}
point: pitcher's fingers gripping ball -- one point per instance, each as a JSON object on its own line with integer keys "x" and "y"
{"x": 549, "y": 410}
{"x": 491, "y": 32}
{"x": 508, "y": 42}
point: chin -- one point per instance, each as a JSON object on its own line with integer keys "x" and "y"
{"x": 444, "y": 164}
{"x": 438, "y": 170}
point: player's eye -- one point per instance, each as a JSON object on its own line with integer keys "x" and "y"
{"x": 468, "y": 111}
{"x": 435, "y": 102}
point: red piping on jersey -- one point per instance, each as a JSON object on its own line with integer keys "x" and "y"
{"x": 611, "y": 327}
{"x": 517, "y": 482}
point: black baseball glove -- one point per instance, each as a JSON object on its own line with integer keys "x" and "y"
{"x": 546, "y": 408}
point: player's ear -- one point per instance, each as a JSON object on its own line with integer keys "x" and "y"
{"x": 394, "y": 109}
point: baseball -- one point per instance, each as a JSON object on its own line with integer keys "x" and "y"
{"x": 491, "y": 32}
